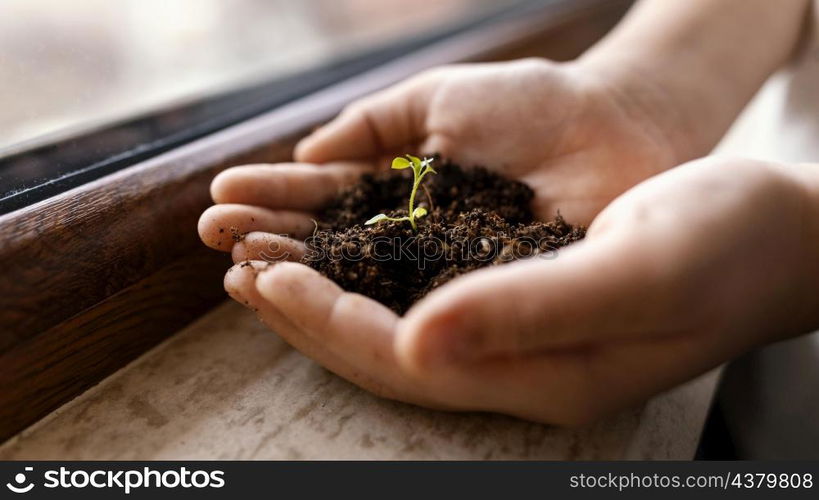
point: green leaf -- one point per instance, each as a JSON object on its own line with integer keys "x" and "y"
{"x": 378, "y": 218}
{"x": 419, "y": 212}
{"x": 415, "y": 161}
{"x": 400, "y": 163}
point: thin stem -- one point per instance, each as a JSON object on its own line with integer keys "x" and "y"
{"x": 415, "y": 182}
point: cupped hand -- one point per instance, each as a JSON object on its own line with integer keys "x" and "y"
{"x": 678, "y": 275}
{"x": 576, "y": 139}
{"x": 557, "y": 127}
{"x": 561, "y": 128}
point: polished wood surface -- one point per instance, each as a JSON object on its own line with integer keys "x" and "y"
{"x": 95, "y": 276}
{"x": 70, "y": 357}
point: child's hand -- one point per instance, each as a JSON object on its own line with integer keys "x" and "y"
{"x": 676, "y": 276}
{"x": 556, "y": 127}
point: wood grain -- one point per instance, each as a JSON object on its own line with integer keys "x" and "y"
{"x": 71, "y": 252}
{"x": 75, "y": 354}
{"x": 85, "y": 274}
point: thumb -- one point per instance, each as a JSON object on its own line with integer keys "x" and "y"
{"x": 381, "y": 123}
{"x": 606, "y": 288}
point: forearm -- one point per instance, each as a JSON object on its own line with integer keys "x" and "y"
{"x": 694, "y": 64}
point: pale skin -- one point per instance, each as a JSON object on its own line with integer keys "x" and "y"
{"x": 683, "y": 268}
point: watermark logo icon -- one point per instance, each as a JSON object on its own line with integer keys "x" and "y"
{"x": 20, "y": 479}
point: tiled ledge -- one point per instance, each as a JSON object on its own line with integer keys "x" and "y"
{"x": 226, "y": 388}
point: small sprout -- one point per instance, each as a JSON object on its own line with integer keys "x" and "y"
{"x": 420, "y": 168}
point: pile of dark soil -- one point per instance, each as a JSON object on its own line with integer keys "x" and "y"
{"x": 476, "y": 219}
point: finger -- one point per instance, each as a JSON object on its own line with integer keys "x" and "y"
{"x": 573, "y": 386}
{"x": 220, "y": 226}
{"x": 385, "y": 121}
{"x": 600, "y": 289}
{"x": 240, "y": 283}
{"x": 291, "y": 186}
{"x": 355, "y": 328}
{"x": 578, "y": 387}
{"x": 267, "y": 247}
{"x": 329, "y": 308}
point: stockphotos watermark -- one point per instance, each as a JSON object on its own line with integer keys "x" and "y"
{"x": 119, "y": 480}
{"x": 495, "y": 248}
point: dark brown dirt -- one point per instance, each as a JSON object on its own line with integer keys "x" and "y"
{"x": 476, "y": 219}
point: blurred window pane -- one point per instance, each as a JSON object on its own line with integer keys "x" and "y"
{"x": 69, "y": 65}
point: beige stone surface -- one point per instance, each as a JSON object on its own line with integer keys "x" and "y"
{"x": 226, "y": 388}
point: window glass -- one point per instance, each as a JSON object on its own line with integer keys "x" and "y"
{"x": 68, "y": 66}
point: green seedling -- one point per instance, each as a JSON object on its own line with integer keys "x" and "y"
{"x": 420, "y": 168}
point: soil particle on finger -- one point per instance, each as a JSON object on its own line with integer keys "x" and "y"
{"x": 236, "y": 235}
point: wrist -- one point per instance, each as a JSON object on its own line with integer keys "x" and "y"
{"x": 694, "y": 65}
{"x": 636, "y": 89}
